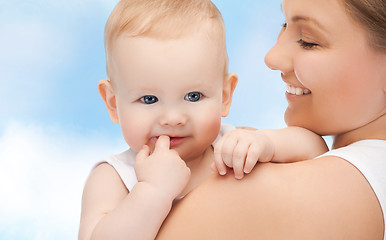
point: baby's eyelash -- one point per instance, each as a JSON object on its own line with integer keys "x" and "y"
{"x": 148, "y": 99}
{"x": 306, "y": 45}
{"x": 284, "y": 25}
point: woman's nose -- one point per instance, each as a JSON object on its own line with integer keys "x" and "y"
{"x": 279, "y": 57}
{"x": 173, "y": 118}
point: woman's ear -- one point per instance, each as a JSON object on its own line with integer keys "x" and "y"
{"x": 229, "y": 86}
{"x": 107, "y": 94}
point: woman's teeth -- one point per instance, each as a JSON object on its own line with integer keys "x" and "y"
{"x": 297, "y": 91}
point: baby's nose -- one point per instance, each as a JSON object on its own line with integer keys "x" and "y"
{"x": 173, "y": 118}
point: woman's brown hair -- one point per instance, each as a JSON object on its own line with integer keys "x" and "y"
{"x": 372, "y": 15}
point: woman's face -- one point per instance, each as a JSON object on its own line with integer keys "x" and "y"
{"x": 335, "y": 81}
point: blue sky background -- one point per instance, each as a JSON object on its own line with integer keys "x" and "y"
{"x": 53, "y": 124}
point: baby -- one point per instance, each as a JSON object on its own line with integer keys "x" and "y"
{"x": 168, "y": 86}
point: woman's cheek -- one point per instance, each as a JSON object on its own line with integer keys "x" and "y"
{"x": 310, "y": 71}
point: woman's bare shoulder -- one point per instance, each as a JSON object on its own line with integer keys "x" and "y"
{"x": 325, "y": 198}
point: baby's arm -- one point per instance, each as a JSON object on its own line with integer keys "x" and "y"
{"x": 109, "y": 212}
{"x": 242, "y": 148}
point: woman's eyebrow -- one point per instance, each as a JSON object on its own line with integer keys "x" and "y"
{"x": 308, "y": 19}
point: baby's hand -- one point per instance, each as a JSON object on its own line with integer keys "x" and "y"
{"x": 240, "y": 149}
{"x": 163, "y": 168}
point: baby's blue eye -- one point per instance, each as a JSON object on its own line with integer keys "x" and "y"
{"x": 193, "y": 96}
{"x": 149, "y": 99}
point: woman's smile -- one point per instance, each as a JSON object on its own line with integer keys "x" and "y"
{"x": 297, "y": 90}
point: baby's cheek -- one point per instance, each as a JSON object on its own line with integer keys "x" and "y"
{"x": 211, "y": 126}
{"x": 131, "y": 136}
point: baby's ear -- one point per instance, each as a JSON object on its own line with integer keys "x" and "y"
{"x": 107, "y": 94}
{"x": 229, "y": 86}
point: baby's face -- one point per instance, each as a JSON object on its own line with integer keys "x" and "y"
{"x": 169, "y": 87}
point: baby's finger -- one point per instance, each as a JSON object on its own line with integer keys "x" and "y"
{"x": 163, "y": 142}
{"x": 218, "y": 164}
{"x": 252, "y": 158}
{"x": 213, "y": 167}
{"x": 143, "y": 153}
{"x": 227, "y": 149}
{"x": 239, "y": 155}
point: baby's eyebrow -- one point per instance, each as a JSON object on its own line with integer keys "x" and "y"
{"x": 143, "y": 89}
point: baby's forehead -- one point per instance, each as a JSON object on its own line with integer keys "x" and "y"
{"x": 194, "y": 52}
{"x": 166, "y": 19}
{"x": 162, "y": 79}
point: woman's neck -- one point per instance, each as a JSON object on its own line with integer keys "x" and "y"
{"x": 373, "y": 130}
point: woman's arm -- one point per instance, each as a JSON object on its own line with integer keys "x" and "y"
{"x": 294, "y": 144}
{"x": 326, "y": 198}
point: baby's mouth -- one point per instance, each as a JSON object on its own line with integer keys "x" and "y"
{"x": 297, "y": 90}
{"x": 173, "y": 140}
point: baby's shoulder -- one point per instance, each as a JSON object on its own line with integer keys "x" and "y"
{"x": 104, "y": 186}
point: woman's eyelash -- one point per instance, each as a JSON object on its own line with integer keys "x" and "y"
{"x": 302, "y": 43}
{"x": 306, "y": 45}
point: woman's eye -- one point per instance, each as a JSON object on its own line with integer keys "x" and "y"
{"x": 149, "y": 99}
{"x": 193, "y": 96}
{"x": 307, "y": 45}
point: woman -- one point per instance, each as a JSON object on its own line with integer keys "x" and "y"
{"x": 335, "y": 51}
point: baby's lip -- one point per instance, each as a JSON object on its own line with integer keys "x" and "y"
{"x": 174, "y": 139}
{"x": 170, "y": 136}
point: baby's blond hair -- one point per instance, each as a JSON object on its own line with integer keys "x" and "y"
{"x": 164, "y": 19}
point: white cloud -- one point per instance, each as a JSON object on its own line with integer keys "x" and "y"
{"x": 43, "y": 170}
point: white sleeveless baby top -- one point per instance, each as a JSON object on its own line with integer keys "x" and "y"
{"x": 124, "y": 162}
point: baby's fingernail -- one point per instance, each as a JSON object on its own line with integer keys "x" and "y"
{"x": 222, "y": 172}
{"x": 239, "y": 176}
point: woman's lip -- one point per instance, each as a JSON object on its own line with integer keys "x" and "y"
{"x": 293, "y": 97}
